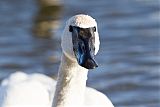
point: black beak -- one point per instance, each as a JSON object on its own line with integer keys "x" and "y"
{"x": 83, "y": 46}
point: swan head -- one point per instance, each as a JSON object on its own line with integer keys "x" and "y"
{"x": 80, "y": 40}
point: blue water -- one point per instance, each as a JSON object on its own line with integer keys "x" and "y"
{"x": 129, "y": 57}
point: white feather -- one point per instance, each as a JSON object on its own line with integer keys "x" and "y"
{"x": 22, "y": 89}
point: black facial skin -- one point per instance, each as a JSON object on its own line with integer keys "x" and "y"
{"x": 83, "y": 40}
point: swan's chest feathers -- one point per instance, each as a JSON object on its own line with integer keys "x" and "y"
{"x": 32, "y": 90}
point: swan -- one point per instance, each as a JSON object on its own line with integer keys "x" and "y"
{"x": 80, "y": 43}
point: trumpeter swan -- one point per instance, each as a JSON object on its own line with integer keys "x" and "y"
{"x": 80, "y": 43}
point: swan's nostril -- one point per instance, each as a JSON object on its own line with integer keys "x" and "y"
{"x": 83, "y": 48}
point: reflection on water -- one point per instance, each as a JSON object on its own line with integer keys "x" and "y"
{"x": 19, "y": 50}
{"x": 129, "y": 32}
{"x": 47, "y": 18}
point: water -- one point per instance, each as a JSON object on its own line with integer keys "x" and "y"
{"x": 129, "y": 71}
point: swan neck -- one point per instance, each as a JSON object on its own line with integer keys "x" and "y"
{"x": 71, "y": 84}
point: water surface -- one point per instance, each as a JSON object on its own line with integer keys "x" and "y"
{"x": 129, "y": 62}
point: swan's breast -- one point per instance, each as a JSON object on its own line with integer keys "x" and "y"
{"x": 94, "y": 98}
{"x": 32, "y": 90}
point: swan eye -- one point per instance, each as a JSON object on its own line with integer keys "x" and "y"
{"x": 94, "y": 48}
{"x": 71, "y": 28}
{"x": 82, "y": 33}
{"x": 94, "y": 29}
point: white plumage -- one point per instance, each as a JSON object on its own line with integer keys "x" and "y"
{"x": 38, "y": 90}
{"x": 26, "y": 90}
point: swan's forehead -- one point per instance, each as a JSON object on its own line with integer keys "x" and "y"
{"x": 83, "y": 21}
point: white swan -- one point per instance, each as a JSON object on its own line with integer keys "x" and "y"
{"x": 80, "y": 43}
